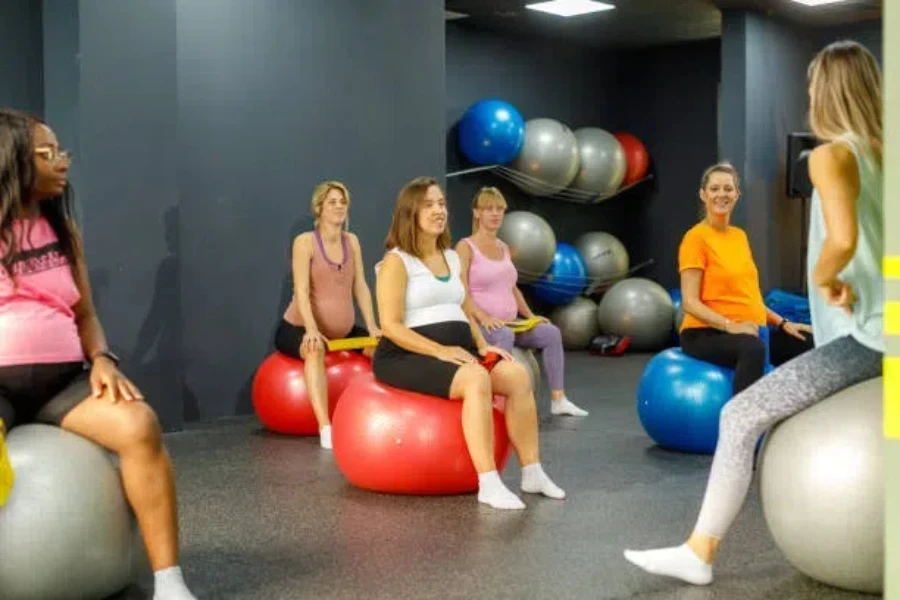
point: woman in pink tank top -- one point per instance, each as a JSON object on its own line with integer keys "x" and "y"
{"x": 490, "y": 279}
{"x": 328, "y": 275}
{"x": 55, "y": 366}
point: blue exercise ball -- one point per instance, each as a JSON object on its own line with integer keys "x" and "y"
{"x": 491, "y": 132}
{"x": 566, "y": 278}
{"x": 679, "y": 401}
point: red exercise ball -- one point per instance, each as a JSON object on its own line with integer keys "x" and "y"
{"x": 400, "y": 442}
{"x": 279, "y": 390}
{"x": 635, "y": 155}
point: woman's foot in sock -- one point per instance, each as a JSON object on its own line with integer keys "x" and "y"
{"x": 325, "y": 437}
{"x": 492, "y": 492}
{"x": 564, "y": 406}
{"x": 535, "y": 481}
{"x": 7, "y": 476}
{"x": 169, "y": 584}
{"x": 679, "y": 562}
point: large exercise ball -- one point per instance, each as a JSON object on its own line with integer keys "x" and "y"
{"x": 531, "y": 241}
{"x": 679, "y": 401}
{"x": 549, "y": 157}
{"x": 602, "y": 162}
{"x": 577, "y": 322}
{"x": 279, "y": 394}
{"x": 605, "y": 256}
{"x": 66, "y": 530}
{"x": 822, "y": 488}
{"x": 566, "y": 278}
{"x": 491, "y": 132}
{"x": 640, "y": 309}
{"x": 636, "y": 156}
{"x": 401, "y": 442}
{"x": 526, "y": 357}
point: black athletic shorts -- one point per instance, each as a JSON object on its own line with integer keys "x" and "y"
{"x": 42, "y": 393}
{"x": 288, "y": 337}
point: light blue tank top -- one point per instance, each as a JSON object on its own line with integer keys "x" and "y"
{"x": 863, "y": 272}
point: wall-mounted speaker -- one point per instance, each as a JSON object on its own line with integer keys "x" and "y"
{"x": 800, "y": 144}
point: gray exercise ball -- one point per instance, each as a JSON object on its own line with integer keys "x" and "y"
{"x": 821, "y": 483}
{"x": 531, "y": 241}
{"x": 549, "y": 157}
{"x": 526, "y": 357}
{"x": 66, "y": 530}
{"x": 602, "y": 163}
{"x": 640, "y": 309}
{"x": 577, "y": 322}
{"x": 605, "y": 256}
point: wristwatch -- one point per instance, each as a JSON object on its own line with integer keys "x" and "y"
{"x": 782, "y": 324}
{"x": 107, "y": 354}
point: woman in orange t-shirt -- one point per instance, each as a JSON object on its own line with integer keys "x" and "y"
{"x": 723, "y": 305}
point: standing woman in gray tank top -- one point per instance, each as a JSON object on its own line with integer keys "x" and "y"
{"x": 845, "y": 291}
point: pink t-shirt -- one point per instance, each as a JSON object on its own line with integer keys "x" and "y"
{"x": 37, "y": 323}
{"x": 491, "y": 283}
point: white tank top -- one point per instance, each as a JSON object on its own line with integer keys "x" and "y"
{"x": 428, "y": 299}
{"x": 863, "y": 272}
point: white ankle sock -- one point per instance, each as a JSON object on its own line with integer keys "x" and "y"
{"x": 325, "y": 437}
{"x": 679, "y": 562}
{"x": 535, "y": 481}
{"x": 492, "y": 492}
{"x": 564, "y": 406}
{"x": 169, "y": 585}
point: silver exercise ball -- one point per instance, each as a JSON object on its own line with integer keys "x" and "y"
{"x": 602, "y": 162}
{"x": 605, "y": 256}
{"x": 66, "y": 530}
{"x": 640, "y": 309}
{"x": 549, "y": 157}
{"x": 531, "y": 241}
{"x": 526, "y": 357}
{"x": 577, "y": 322}
{"x": 822, "y": 488}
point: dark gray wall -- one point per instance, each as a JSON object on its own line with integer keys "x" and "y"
{"x": 668, "y": 97}
{"x": 275, "y": 96}
{"x": 127, "y": 186}
{"x": 633, "y": 91}
{"x": 867, "y": 33}
{"x": 21, "y": 72}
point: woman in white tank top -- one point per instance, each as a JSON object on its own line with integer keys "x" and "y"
{"x": 846, "y": 297}
{"x": 430, "y": 346}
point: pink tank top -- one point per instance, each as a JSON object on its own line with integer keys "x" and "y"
{"x": 36, "y": 317}
{"x": 491, "y": 283}
{"x": 330, "y": 290}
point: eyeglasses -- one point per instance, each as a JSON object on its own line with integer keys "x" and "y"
{"x": 53, "y": 154}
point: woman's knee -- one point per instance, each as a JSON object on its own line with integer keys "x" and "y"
{"x": 516, "y": 376}
{"x": 139, "y": 426}
{"x": 473, "y": 380}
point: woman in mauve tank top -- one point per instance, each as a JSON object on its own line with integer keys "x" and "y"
{"x": 328, "y": 276}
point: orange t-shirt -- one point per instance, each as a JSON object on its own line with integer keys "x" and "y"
{"x": 730, "y": 284}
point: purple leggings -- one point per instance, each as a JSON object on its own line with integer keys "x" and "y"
{"x": 544, "y": 337}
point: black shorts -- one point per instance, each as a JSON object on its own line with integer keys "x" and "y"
{"x": 42, "y": 393}
{"x": 288, "y": 337}
{"x": 421, "y": 373}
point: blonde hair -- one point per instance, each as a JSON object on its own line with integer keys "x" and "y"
{"x": 404, "y": 231}
{"x": 722, "y": 167}
{"x": 489, "y": 196}
{"x": 321, "y": 192}
{"x": 845, "y": 94}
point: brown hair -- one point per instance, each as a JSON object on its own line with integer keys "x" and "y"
{"x": 722, "y": 167}
{"x": 845, "y": 94}
{"x": 404, "y": 231}
{"x": 484, "y": 197}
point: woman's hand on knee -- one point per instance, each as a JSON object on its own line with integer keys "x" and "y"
{"x": 108, "y": 381}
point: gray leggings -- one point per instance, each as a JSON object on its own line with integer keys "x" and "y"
{"x": 789, "y": 389}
